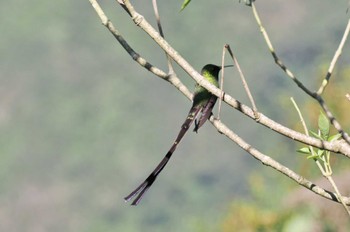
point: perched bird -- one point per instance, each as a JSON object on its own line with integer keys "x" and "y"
{"x": 203, "y": 101}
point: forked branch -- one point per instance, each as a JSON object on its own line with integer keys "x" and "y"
{"x": 314, "y": 95}
{"x": 337, "y": 146}
{"x": 171, "y": 77}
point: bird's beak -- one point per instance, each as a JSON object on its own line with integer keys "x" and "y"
{"x": 226, "y": 66}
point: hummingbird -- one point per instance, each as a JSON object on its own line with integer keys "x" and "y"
{"x": 203, "y": 103}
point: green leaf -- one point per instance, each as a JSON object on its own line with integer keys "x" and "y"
{"x": 320, "y": 152}
{"x": 316, "y": 135}
{"x": 334, "y": 137}
{"x": 323, "y": 125}
{"x": 304, "y": 150}
{"x": 313, "y": 157}
{"x": 184, "y": 4}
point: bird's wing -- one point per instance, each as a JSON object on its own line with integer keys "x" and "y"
{"x": 206, "y": 111}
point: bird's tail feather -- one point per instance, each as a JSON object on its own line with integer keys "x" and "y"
{"x": 142, "y": 188}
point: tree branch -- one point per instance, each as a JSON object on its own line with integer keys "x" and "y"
{"x": 160, "y": 29}
{"x": 289, "y": 73}
{"x": 245, "y": 84}
{"x": 336, "y": 146}
{"x": 268, "y": 161}
{"x": 336, "y": 56}
{"x": 327, "y": 174}
{"x": 172, "y": 78}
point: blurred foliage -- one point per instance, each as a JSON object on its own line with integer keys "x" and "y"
{"x": 81, "y": 124}
{"x": 255, "y": 215}
{"x": 289, "y": 211}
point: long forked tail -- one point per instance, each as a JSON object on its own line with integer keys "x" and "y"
{"x": 142, "y": 188}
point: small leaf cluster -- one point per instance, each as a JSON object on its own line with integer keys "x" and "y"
{"x": 322, "y": 134}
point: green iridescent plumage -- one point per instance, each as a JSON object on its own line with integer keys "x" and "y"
{"x": 203, "y": 101}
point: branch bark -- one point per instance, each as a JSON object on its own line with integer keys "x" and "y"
{"x": 140, "y": 21}
{"x": 337, "y": 146}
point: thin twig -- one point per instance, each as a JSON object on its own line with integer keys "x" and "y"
{"x": 324, "y": 173}
{"x": 221, "y": 98}
{"x": 274, "y": 55}
{"x": 332, "y": 119}
{"x": 335, "y": 59}
{"x": 335, "y": 146}
{"x": 156, "y": 13}
{"x": 301, "y": 119}
{"x": 245, "y": 84}
{"x": 172, "y": 78}
{"x": 268, "y": 161}
{"x": 338, "y": 147}
{"x": 289, "y": 73}
{"x": 340, "y": 197}
{"x": 328, "y": 173}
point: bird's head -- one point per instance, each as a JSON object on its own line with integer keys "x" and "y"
{"x": 213, "y": 70}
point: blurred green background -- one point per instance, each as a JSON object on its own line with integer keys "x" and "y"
{"x": 81, "y": 124}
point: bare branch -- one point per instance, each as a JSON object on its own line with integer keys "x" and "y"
{"x": 316, "y": 96}
{"x": 334, "y": 60}
{"x": 336, "y": 146}
{"x": 221, "y": 98}
{"x": 171, "y": 78}
{"x": 326, "y": 174}
{"x": 332, "y": 119}
{"x": 245, "y": 84}
{"x": 340, "y": 198}
{"x": 156, "y": 13}
{"x": 275, "y": 57}
{"x": 268, "y": 161}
